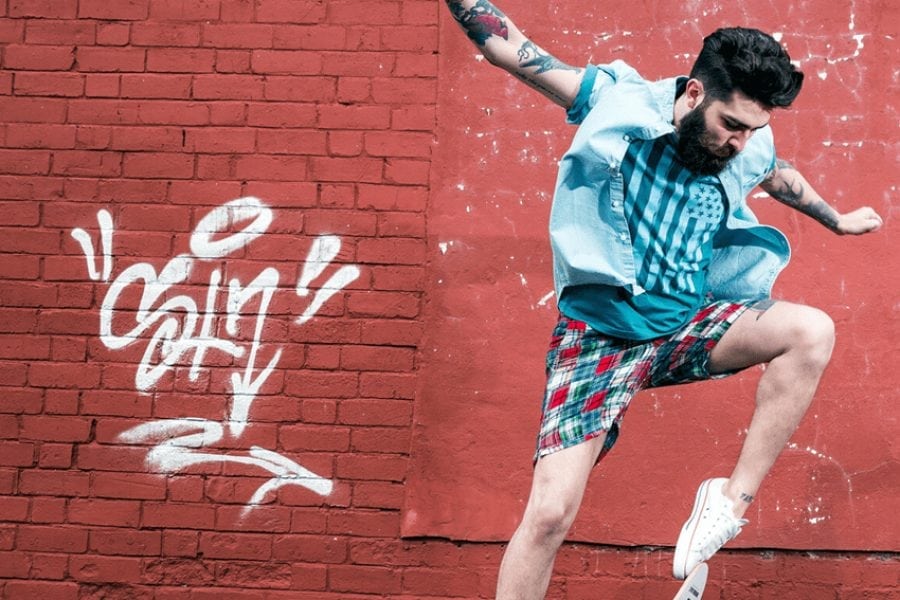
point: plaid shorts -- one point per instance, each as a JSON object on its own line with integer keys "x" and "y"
{"x": 591, "y": 378}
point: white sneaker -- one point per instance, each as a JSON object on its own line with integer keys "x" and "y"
{"x": 711, "y": 525}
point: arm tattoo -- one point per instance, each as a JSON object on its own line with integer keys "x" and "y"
{"x": 746, "y": 498}
{"x": 532, "y": 56}
{"x": 790, "y": 191}
{"x": 482, "y": 22}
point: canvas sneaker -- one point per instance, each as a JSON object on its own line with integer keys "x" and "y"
{"x": 711, "y": 525}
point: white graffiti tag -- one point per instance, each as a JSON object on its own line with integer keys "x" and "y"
{"x": 179, "y": 331}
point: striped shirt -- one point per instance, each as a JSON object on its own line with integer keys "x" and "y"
{"x": 673, "y": 215}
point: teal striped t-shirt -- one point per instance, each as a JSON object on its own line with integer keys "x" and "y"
{"x": 673, "y": 215}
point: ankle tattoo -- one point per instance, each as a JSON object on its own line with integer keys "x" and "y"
{"x": 746, "y": 498}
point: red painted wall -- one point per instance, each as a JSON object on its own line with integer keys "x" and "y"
{"x": 147, "y": 450}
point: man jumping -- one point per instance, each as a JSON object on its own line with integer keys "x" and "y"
{"x": 662, "y": 272}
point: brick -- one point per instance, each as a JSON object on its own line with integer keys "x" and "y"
{"x": 375, "y": 412}
{"x": 16, "y": 320}
{"x": 392, "y": 332}
{"x": 67, "y": 321}
{"x": 106, "y": 569}
{"x": 295, "y": 62}
{"x": 232, "y": 61}
{"x": 410, "y": 38}
{"x": 378, "y": 12}
{"x": 411, "y": 172}
{"x": 397, "y": 143}
{"x": 46, "y": 590}
{"x": 390, "y": 197}
{"x": 11, "y": 31}
{"x": 179, "y": 10}
{"x": 47, "y": 136}
{"x": 205, "y": 192}
{"x": 55, "y": 456}
{"x": 127, "y": 542}
{"x": 145, "y": 138}
{"x": 377, "y": 358}
{"x": 14, "y": 565}
{"x": 180, "y": 543}
{"x": 24, "y": 162}
{"x": 180, "y": 572}
{"x": 398, "y": 224}
{"x": 24, "y": 347}
{"x": 337, "y": 195}
{"x": 104, "y": 512}
{"x": 300, "y": 89}
{"x": 395, "y": 90}
{"x": 306, "y": 37}
{"x": 282, "y": 114}
{"x": 337, "y": 222}
{"x": 162, "y": 165}
{"x": 272, "y": 167}
{"x": 86, "y": 163}
{"x": 416, "y": 65}
{"x": 38, "y": 58}
{"x": 237, "y": 35}
{"x": 360, "y": 169}
{"x": 113, "y": 34}
{"x": 378, "y": 494}
{"x": 51, "y": 539}
{"x": 101, "y": 85}
{"x": 354, "y": 117}
{"x": 165, "y": 34}
{"x": 239, "y": 546}
{"x": 220, "y": 140}
{"x": 228, "y": 87}
{"x": 95, "y": 58}
{"x": 354, "y": 90}
{"x": 155, "y": 86}
{"x": 295, "y": 438}
{"x": 292, "y": 142}
{"x": 65, "y": 375}
{"x": 181, "y": 60}
{"x": 364, "y": 579}
{"x": 290, "y": 11}
{"x": 383, "y": 305}
{"x": 388, "y": 440}
{"x": 357, "y": 64}
{"x": 345, "y": 143}
{"x": 391, "y": 251}
{"x": 419, "y": 13}
{"x": 55, "y": 429}
{"x": 60, "y": 33}
{"x": 190, "y": 516}
{"x": 317, "y": 384}
{"x": 421, "y": 118}
{"x": 308, "y": 548}
{"x": 442, "y": 582}
{"x": 140, "y": 486}
{"x": 21, "y": 454}
{"x": 33, "y": 110}
{"x": 49, "y": 9}
{"x": 49, "y": 84}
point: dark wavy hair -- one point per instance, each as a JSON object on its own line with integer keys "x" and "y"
{"x": 739, "y": 58}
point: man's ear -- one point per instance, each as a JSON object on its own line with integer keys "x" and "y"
{"x": 694, "y": 92}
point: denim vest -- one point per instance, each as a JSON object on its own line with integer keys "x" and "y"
{"x": 588, "y": 231}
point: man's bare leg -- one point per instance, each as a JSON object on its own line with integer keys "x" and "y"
{"x": 796, "y": 342}
{"x": 556, "y": 492}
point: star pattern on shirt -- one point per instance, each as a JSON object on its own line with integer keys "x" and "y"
{"x": 705, "y": 202}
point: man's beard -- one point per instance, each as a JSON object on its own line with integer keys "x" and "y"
{"x": 694, "y": 143}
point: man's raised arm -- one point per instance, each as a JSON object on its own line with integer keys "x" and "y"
{"x": 788, "y": 186}
{"x": 503, "y": 45}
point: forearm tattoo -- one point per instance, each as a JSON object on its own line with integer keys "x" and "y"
{"x": 746, "y": 498}
{"x": 790, "y": 190}
{"x": 532, "y": 56}
{"x": 482, "y": 22}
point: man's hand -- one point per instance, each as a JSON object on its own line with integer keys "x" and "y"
{"x": 862, "y": 220}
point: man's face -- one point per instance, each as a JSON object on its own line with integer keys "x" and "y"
{"x": 713, "y": 133}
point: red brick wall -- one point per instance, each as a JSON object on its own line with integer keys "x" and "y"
{"x": 124, "y": 476}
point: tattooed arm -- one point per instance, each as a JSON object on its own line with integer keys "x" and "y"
{"x": 503, "y": 45}
{"x": 788, "y": 186}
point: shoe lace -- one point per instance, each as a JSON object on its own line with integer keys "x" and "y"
{"x": 723, "y": 529}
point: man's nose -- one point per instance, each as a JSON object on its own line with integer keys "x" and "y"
{"x": 739, "y": 139}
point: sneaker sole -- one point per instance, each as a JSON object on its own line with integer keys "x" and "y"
{"x": 686, "y": 537}
{"x": 693, "y": 586}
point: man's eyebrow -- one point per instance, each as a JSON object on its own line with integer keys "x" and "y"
{"x": 734, "y": 121}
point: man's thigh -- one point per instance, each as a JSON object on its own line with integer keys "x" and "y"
{"x": 766, "y": 330}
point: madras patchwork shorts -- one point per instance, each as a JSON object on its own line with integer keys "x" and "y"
{"x": 591, "y": 378}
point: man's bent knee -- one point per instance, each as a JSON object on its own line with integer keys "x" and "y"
{"x": 548, "y": 520}
{"x": 810, "y": 334}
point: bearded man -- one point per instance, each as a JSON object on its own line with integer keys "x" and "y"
{"x": 662, "y": 273}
